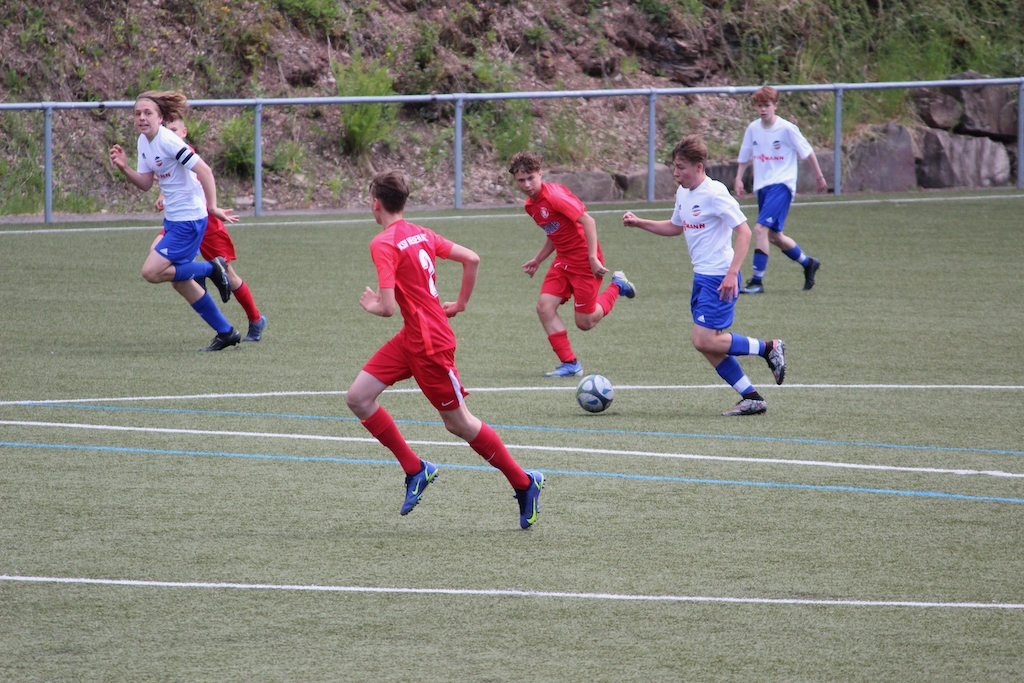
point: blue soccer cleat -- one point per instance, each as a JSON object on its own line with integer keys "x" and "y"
{"x": 256, "y": 330}
{"x": 573, "y": 369}
{"x": 529, "y": 498}
{"x": 626, "y": 287}
{"x": 416, "y": 484}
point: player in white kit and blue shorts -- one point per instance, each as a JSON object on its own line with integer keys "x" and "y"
{"x": 707, "y": 215}
{"x": 774, "y": 146}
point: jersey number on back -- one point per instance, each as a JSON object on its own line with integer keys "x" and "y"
{"x": 428, "y": 266}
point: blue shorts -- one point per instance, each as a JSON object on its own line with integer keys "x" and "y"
{"x": 707, "y": 308}
{"x": 773, "y": 206}
{"x": 181, "y": 240}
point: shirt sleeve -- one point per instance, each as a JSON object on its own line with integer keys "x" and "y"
{"x": 566, "y": 203}
{"x": 746, "y": 147}
{"x": 798, "y": 142}
{"x": 729, "y": 209}
{"x": 384, "y": 257}
{"x": 442, "y": 246}
{"x": 142, "y": 163}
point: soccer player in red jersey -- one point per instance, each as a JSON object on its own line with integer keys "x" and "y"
{"x": 217, "y": 242}
{"x": 424, "y": 348}
{"x": 578, "y": 266}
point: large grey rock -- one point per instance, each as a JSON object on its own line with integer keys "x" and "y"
{"x": 589, "y": 186}
{"x": 1008, "y": 120}
{"x": 805, "y": 174}
{"x": 633, "y": 183}
{"x": 937, "y": 109}
{"x": 982, "y": 105}
{"x": 883, "y": 162}
{"x": 726, "y": 174}
{"x": 949, "y": 160}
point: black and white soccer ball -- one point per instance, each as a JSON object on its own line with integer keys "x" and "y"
{"x": 594, "y": 393}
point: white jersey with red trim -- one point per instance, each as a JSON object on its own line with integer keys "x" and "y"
{"x": 708, "y": 215}
{"x": 775, "y": 151}
{"x": 171, "y": 161}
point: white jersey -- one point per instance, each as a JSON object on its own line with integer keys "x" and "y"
{"x": 708, "y": 216}
{"x": 172, "y": 161}
{"x": 774, "y": 152}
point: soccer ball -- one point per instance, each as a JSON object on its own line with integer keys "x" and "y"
{"x": 594, "y": 393}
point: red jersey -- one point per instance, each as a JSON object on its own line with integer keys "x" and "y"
{"x": 557, "y": 211}
{"x": 405, "y": 255}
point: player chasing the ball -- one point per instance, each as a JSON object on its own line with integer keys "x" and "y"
{"x": 772, "y": 144}
{"x": 163, "y": 155}
{"x": 707, "y": 215}
{"x": 217, "y": 242}
{"x": 578, "y": 266}
{"x": 424, "y": 349}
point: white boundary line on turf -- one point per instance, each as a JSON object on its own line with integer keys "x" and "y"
{"x": 623, "y": 387}
{"x": 552, "y": 449}
{"x": 518, "y": 214}
{"x": 509, "y": 593}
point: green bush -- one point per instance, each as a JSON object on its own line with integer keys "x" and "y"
{"x": 238, "y": 140}
{"x": 503, "y": 126}
{"x": 311, "y": 15}
{"x": 566, "y": 141}
{"x": 364, "y": 124}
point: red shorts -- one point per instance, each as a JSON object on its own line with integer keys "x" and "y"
{"x": 216, "y": 241}
{"x": 563, "y": 283}
{"x": 437, "y": 375}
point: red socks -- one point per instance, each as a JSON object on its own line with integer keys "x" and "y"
{"x": 383, "y": 428}
{"x": 608, "y": 298}
{"x": 560, "y": 344}
{"x": 488, "y": 444}
{"x": 244, "y": 297}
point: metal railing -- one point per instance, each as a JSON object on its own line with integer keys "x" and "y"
{"x": 460, "y": 100}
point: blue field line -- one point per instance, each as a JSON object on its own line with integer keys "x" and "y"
{"x": 565, "y": 430}
{"x": 488, "y": 468}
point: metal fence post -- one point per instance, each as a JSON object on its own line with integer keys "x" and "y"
{"x": 48, "y": 164}
{"x": 258, "y": 161}
{"x": 459, "y": 105}
{"x": 1020, "y": 134}
{"x": 652, "y": 126}
{"x": 837, "y": 166}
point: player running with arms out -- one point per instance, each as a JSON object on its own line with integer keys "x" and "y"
{"x": 217, "y": 242}
{"x": 578, "y": 266}
{"x": 707, "y": 215}
{"x": 772, "y": 144}
{"x": 424, "y": 349}
{"x": 162, "y": 155}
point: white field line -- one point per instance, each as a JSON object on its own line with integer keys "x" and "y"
{"x": 621, "y": 387}
{"x": 553, "y": 449}
{"x": 510, "y": 593}
{"x": 518, "y": 214}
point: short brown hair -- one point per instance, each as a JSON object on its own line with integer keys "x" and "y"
{"x": 692, "y": 149}
{"x": 525, "y": 162}
{"x": 391, "y": 189}
{"x": 765, "y": 95}
{"x": 172, "y": 103}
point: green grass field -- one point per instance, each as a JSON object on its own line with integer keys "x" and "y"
{"x": 169, "y": 515}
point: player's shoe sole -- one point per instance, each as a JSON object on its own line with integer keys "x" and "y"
{"x": 752, "y": 287}
{"x": 416, "y": 484}
{"x": 220, "y": 278}
{"x": 777, "y": 360}
{"x": 256, "y": 330}
{"x": 529, "y": 500}
{"x": 626, "y": 287}
{"x": 567, "y": 370}
{"x": 809, "y": 270}
{"x": 748, "y": 406}
{"x": 224, "y": 340}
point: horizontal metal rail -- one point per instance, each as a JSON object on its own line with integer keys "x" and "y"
{"x": 460, "y": 99}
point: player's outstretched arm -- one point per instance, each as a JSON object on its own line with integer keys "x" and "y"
{"x": 590, "y": 235}
{"x": 381, "y": 302}
{"x": 205, "y": 175}
{"x": 531, "y": 266}
{"x": 470, "y": 267}
{"x": 664, "y": 228}
{"x": 119, "y": 159}
{"x": 729, "y": 289}
{"x": 820, "y": 184}
{"x": 738, "y": 185}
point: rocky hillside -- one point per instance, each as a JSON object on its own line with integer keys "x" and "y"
{"x": 320, "y": 156}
